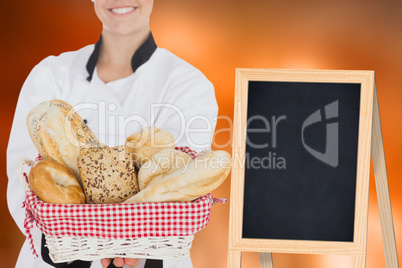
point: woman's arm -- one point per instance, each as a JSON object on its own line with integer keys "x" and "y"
{"x": 189, "y": 112}
{"x": 36, "y": 89}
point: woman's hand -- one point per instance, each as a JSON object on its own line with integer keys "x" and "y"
{"x": 120, "y": 262}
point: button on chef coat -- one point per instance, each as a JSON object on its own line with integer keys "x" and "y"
{"x": 164, "y": 92}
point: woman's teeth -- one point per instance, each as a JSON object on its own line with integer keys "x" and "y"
{"x": 122, "y": 10}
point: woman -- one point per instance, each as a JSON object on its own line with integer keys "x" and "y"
{"x": 119, "y": 85}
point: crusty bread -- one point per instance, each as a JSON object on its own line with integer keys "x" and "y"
{"x": 55, "y": 183}
{"x": 108, "y": 175}
{"x": 144, "y": 144}
{"x": 59, "y": 133}
{"x": 199, "y": 177}
{"x": 160, "y": 165}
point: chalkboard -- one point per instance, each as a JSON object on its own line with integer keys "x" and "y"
{"x": 301, "y": 160}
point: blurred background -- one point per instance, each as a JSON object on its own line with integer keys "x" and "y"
{"x": 217, "y": 37}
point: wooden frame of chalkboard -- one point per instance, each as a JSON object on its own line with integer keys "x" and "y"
{"x": 283, "y": 83}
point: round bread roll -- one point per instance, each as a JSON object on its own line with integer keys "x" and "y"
{"x": 59, "y": 133}
{"x": 55, "y": 183}
{"x": 160, "y": 165}
{"x": 199, "y": 177}
{"x": 108, "y": 175}
{"x": 144, "y": 144}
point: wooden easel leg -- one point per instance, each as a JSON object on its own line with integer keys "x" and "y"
{"x": 359, "y": 261}
{"x": 266, "y": 260}
{"x": 381, "y": 182}
{"x": 234, "y": 259}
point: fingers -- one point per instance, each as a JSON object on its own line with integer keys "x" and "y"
{"x": 131, "y": 262}
{"x": 105, "y": 262}
{"x": 118, "y": 262}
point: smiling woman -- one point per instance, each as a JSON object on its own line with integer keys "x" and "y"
{"x": 118, "y": 71}
{"x": 125, "y": 28}
{"x": 124, "y": 17}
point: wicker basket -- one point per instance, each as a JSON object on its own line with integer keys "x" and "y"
{"x": 161, "y": 230}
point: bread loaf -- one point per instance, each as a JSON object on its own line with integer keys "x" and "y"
{"x": 144, "y": 144}
{"x": 199, "y": 177}
{"x": 59, "y": 133}
{"x": 55, "y": 183}
{"x": 108, "y": 175}
{"x": 161, "y": 165}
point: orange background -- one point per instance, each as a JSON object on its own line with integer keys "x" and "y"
{"x": 217, "y": 37}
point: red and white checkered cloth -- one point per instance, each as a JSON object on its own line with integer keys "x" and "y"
{"x": 118, "y": 221}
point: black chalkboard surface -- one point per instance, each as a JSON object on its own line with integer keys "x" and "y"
{"x": 300, "y": 162}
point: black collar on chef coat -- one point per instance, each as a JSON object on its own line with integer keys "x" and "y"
{"x": 142, "y": 55}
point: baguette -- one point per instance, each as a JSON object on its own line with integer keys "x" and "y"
{"x": 199, "y": 177}
{"x": 161, "y": 165}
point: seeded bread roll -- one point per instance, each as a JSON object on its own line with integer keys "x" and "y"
{"x": 108, "y": 175}
{"x": 59, "y": 133}
{"x": 55, "y": 183}
{"x": 144, "y": 144}
{"x": 199, "y": 177}
{"x": 161, "y": 165}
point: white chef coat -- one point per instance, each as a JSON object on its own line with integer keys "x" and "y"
{"x": 165, "y": 92}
